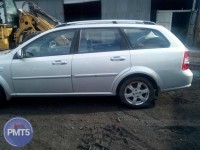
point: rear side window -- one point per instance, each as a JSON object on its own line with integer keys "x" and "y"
{"x": 141, "y": 38}
{"x": 100, "y": 40}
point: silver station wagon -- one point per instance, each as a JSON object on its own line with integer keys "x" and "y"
{"x": 132, "y": 59}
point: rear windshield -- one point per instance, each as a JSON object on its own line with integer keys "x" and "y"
{"x": 142, "y": 38}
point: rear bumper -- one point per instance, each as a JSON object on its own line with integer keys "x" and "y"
{"x": 176, "y": 88}
{"x": 185, "y": 81}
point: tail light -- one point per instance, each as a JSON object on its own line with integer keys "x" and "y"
{"x": 185, "y": 65}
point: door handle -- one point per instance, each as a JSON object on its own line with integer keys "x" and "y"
{"x": 59, "y": 62}
{"x": 118, "y": 58}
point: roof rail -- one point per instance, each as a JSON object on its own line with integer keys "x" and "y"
{"x": 106, "y": 22}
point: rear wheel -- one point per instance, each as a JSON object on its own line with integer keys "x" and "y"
{"x": 137, "y": 92}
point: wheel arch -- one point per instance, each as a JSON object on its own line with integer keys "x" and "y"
{"x": 5, "y": 88}
{"x": 143, "y": 75}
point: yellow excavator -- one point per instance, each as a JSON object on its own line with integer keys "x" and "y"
{"x": 17, "y": 26}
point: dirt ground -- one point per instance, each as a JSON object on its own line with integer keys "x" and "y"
{"x": 102, "y": 123}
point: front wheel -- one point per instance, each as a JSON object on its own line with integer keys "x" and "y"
{"x": 137, "y": 92}
{"x": 2, "y": 98}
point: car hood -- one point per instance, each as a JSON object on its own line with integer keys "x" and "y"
{"x": 5, "y": 52}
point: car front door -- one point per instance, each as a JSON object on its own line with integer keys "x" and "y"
{"x": 46, "y": 65}
{"x": 102, "y": 54}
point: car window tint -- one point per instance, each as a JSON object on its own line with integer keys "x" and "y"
{"x": 146, "y": 38}
{"x": 52, "y": 44}
{"x": 99, "y": 40}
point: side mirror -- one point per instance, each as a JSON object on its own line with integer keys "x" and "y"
{"x": 20, "y": 54}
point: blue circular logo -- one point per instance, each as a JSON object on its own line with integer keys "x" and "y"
{"x": 18, "y": 132}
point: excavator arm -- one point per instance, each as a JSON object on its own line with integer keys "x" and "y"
{"x": 29, "y": 24}
{"x": 32, "y": 21}
{"x": 17, "y": 26}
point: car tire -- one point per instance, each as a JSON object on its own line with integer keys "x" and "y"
{"x": 2, "y": 98}
{"x": 137, "y": 92}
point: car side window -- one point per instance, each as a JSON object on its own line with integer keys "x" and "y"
{"x": 52, "y": 44}
{"x": 100, "y": 40}
{"x": 142, "y": 38}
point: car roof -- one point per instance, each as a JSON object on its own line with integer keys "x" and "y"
{"x": 89, "y": 22}
{"x": 81, "y": 26}
{"x": 108, "y": 23}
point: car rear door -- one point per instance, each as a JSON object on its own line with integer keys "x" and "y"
{"x": 101, "y": 56}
